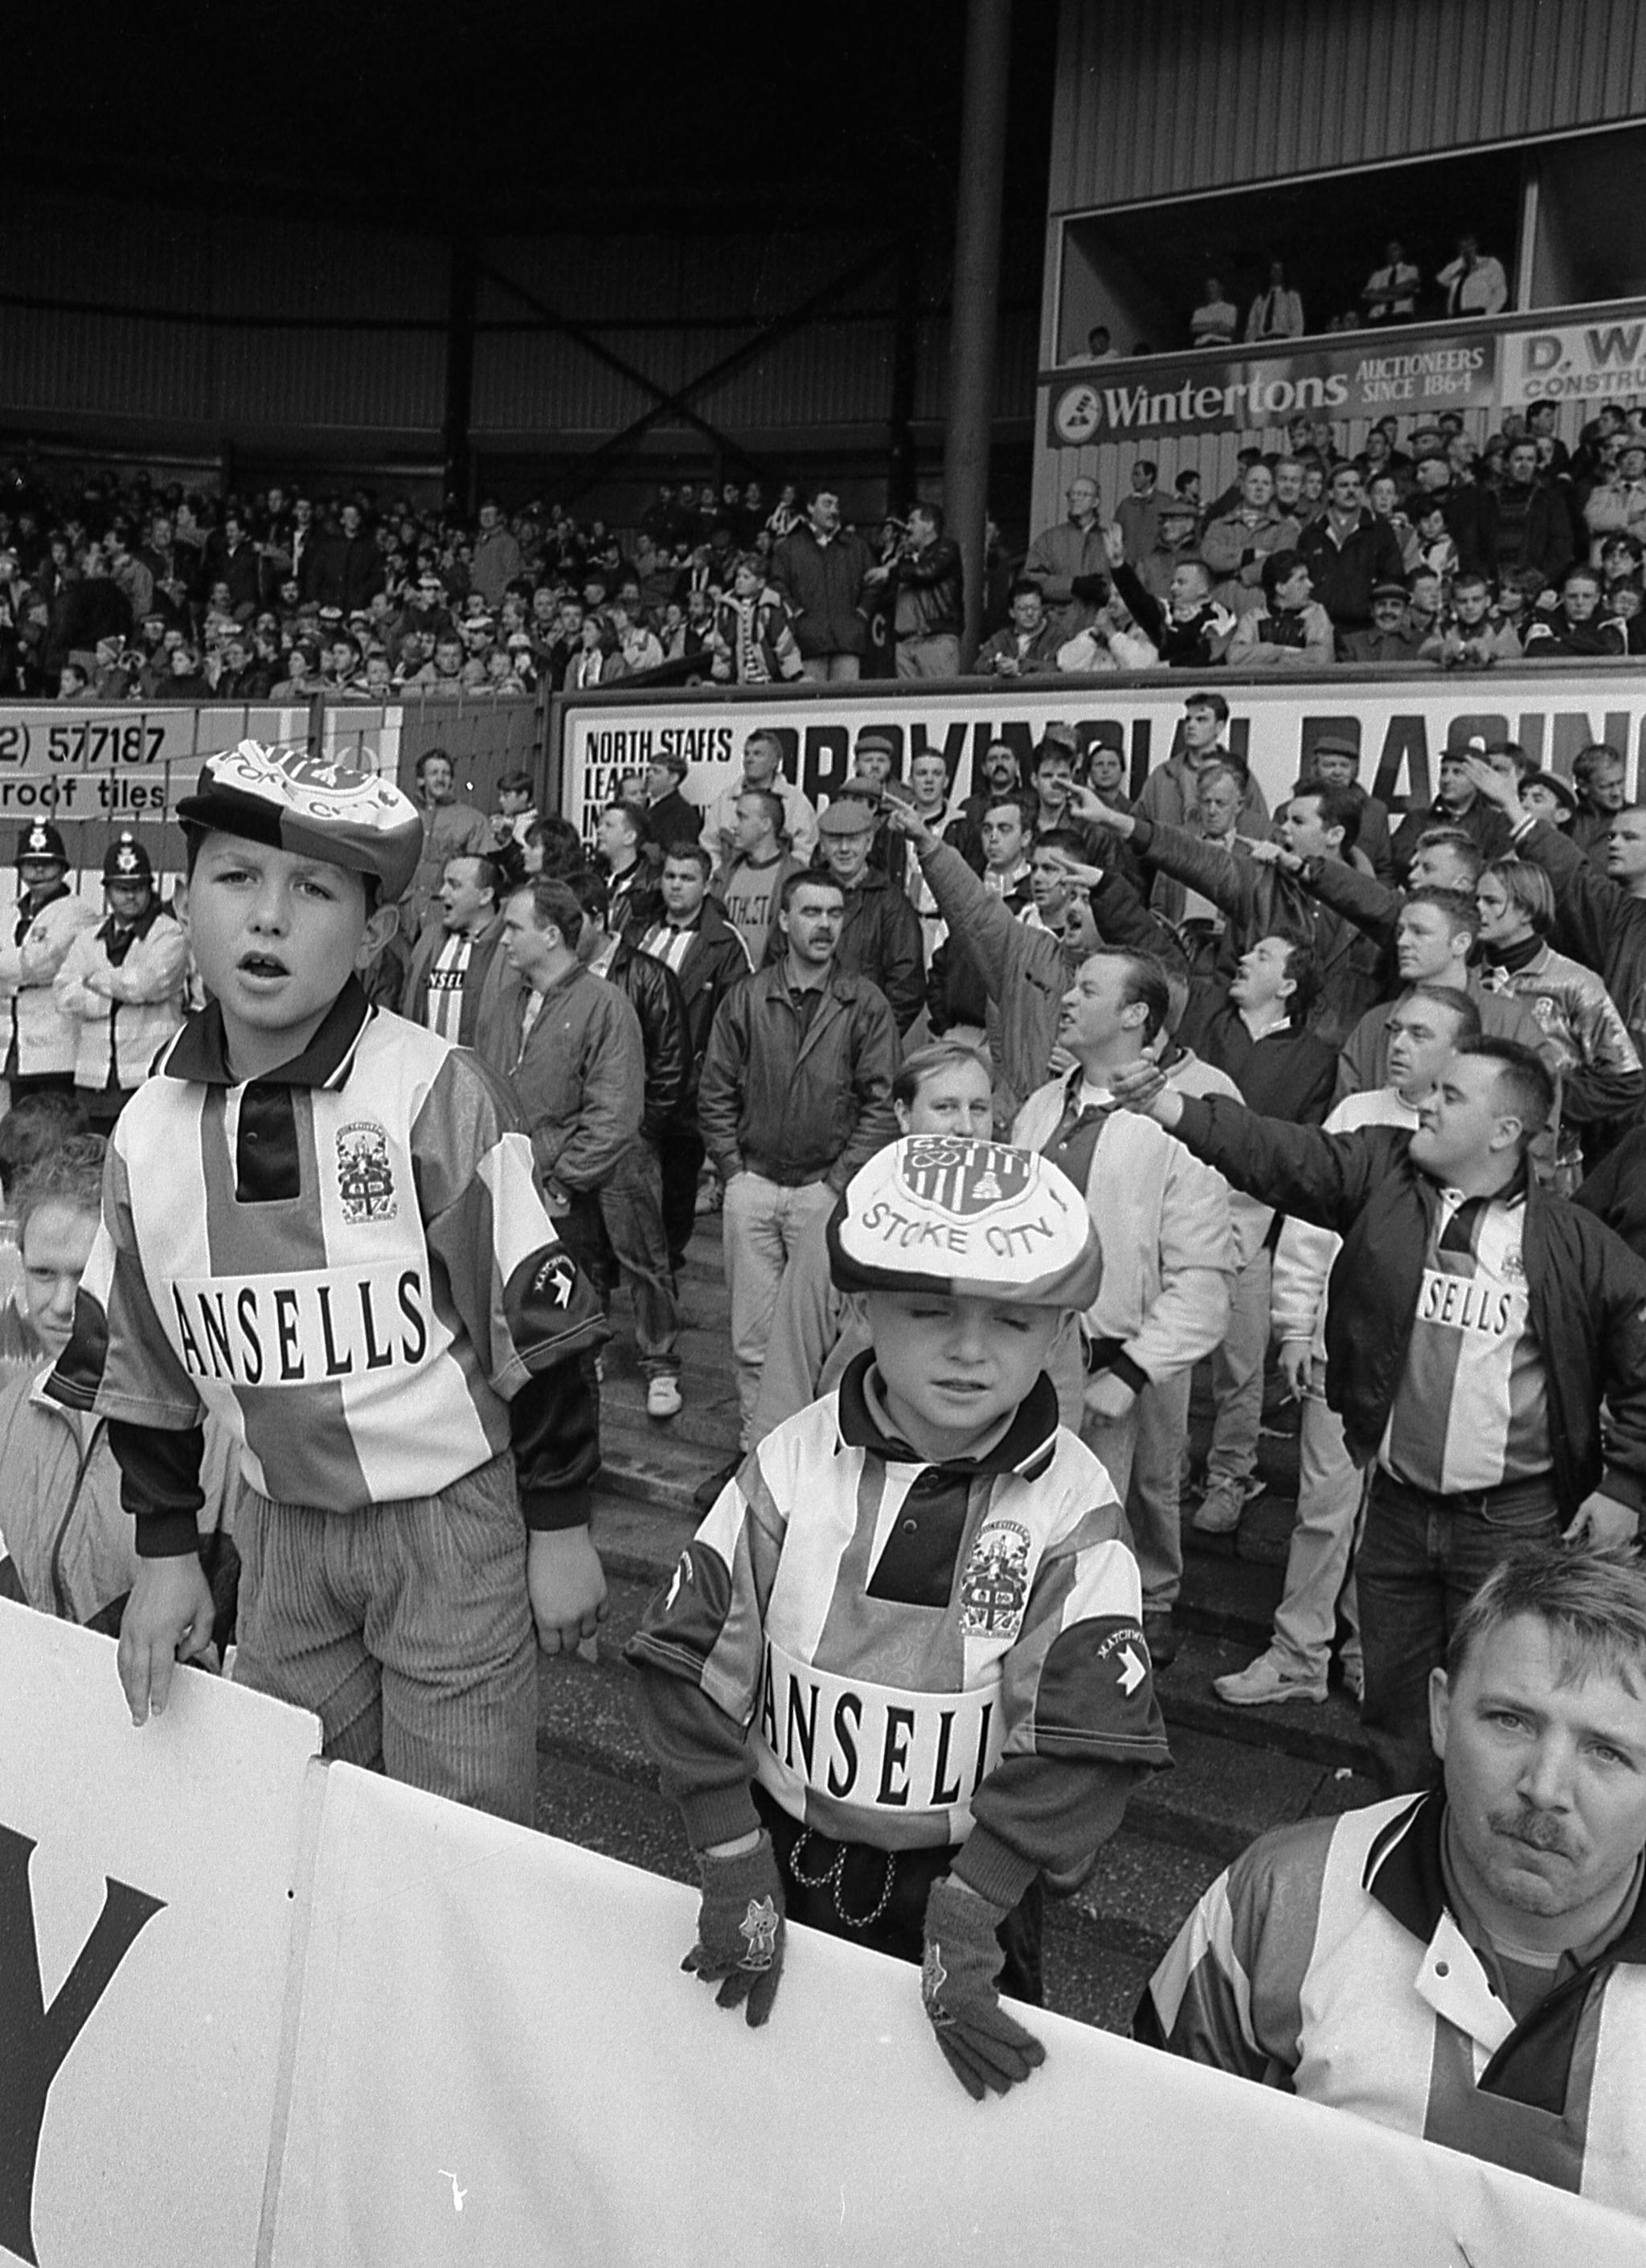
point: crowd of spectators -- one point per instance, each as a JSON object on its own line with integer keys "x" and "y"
{"x": 1364, "y": 1083}
{"x": 127, "y": 590}
{"x": 1424, "y": 549}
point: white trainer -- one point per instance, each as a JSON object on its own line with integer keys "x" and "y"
{"x": 662, "y": 1395}
{"x": 1266, "y": 1681}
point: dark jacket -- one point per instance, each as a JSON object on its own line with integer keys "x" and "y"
{"x": 924, "y": 593}
{"x": 654, "y": 993}
{"x": 1532, "y": 528}
{"x": 1290, "y": 1074}
{"x": 1198, "y": 644}
{"x": 880, "y": 939}
{"x": 673, "y": 820}
{"x": 1344, "y": 573}
{"x": 795, "y": 1103}
{"x": 1587, "y": 1290}
{"x": 342, "y": 571}
{"x": 1615, "y": 1192}
{"x": 715, "y": 961}
{"x": 414, "y": 998}
{"x": 1266, "y": 901}
{"x": 822, "y": 584}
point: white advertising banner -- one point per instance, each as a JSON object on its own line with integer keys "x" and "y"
{"x": 1589, "y": 363}
{"x": 256, "y": 2013}
{"x": 1400, "y": 723}
{"x": 498, "y": 2060}
{"x": 149, "y": 1886}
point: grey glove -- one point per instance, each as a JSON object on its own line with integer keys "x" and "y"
{"x": 740, "y": 1931}
{"x": 985, "y": 2048}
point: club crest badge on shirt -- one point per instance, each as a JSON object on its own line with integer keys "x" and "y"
{"x": 994, "y": 1587}
{"x": 964, "y": 1178}
{"x": 365, "y": 1181}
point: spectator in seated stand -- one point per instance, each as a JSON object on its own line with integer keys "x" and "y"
{"x": 1099, "y": 346}
{"x": 1057, "y": 555}
{"x": 1190, "y": 630}
{"x": 1389, "y": 639}
{"x": 1236, "y": 544}
{"x": 820, "y": 570}
{"x": 1467, "y": 636}
{"x": 70, "y": 1546}
{"x": 1137, "y": 515}
{"x": 1307, "y": 1966}
{"x": 1216, "y": 320}
{"x": 1348, "y": 551}
{"x": 123, "y": 984}
{"x": 795, "y": 1094}
{"x": 1577, "y": 627}
{"x": 751, "y": 642}
{"x": 1111, "y": 640}
{"x": 1287, "y": 629}
{"x": 1532, "y": 528}
{"x": 1177, "y": 545}
{"x": 1029, "y": 646}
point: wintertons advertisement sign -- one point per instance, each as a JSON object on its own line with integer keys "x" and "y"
{"x": 1200, "y": 395}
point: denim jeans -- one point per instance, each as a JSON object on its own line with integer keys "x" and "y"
{"x": 621, "y": 1222}
{"x": 1422, "y": 1559}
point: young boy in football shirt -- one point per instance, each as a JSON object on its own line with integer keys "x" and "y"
{"x": 322, "y": 1222}
{"x": 899, "y": 1677}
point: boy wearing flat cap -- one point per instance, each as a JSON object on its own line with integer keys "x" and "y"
{"x": 900, "y": 1676}
{"x": 322, "y": 1223}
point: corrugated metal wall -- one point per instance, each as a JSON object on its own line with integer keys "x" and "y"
{"x": 184, "y": 361}
{"x": 264, "y": 333}
{"x": 1183, "y": 95}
